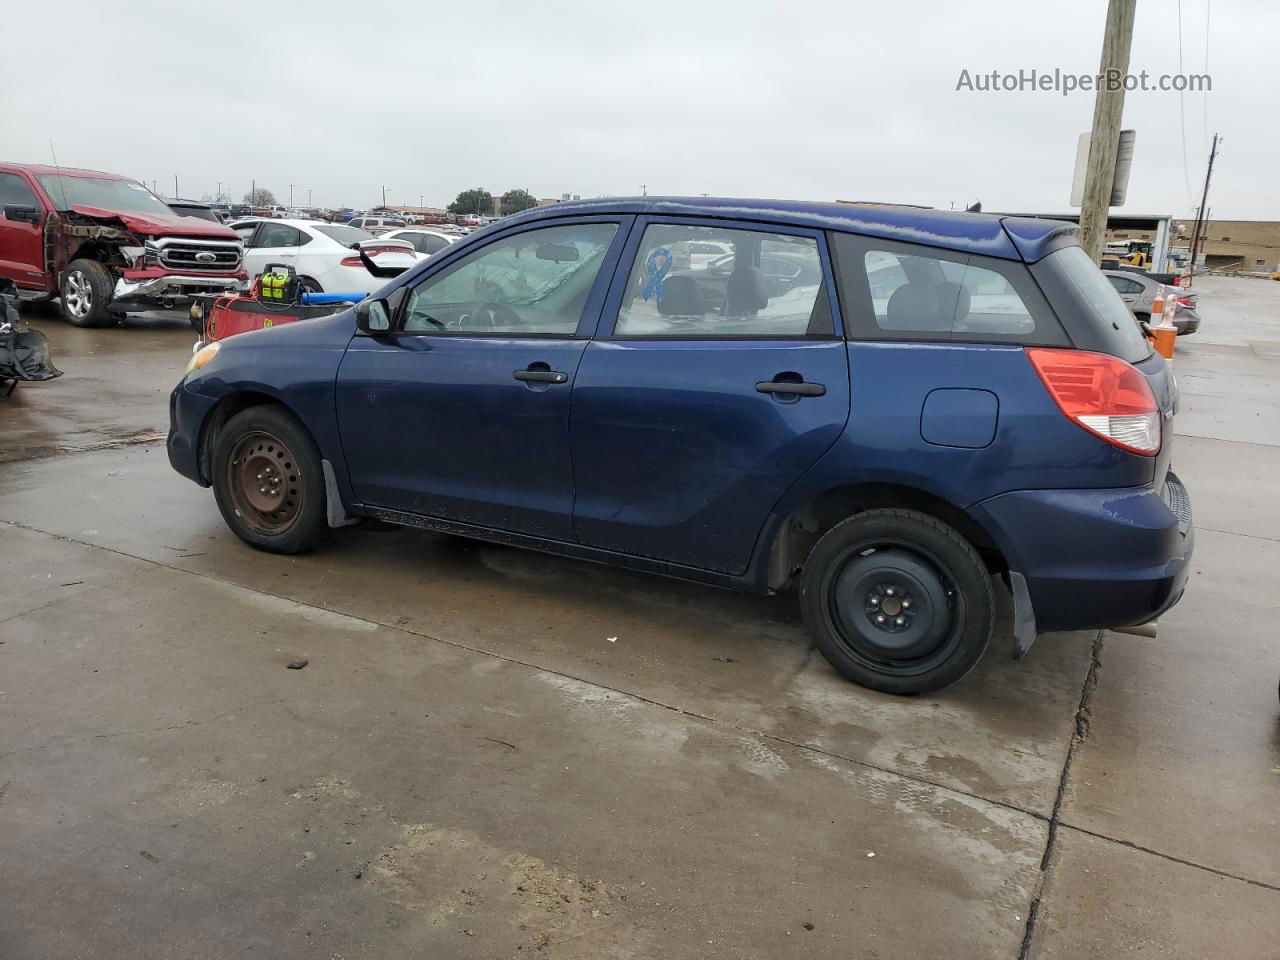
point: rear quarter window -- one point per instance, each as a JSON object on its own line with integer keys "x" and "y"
{"x": 900, "y": 291}
{"x": 1089, "y": 306}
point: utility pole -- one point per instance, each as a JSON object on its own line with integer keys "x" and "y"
{"x": 217, "y": 197}
{"x": 1108, "y": 105}
{"x": 1200, "y": 218}
{"x": 175, "y": 186}
{"x": 644, "y": 189}
{"x": 291, "y": 196}
{"x": 384, "y": 198}
{"x": 308, "y": 197}
{"x": 253, "y": 192}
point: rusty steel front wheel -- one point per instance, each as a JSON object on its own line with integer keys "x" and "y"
{"x": 266, "y": 482}
{"x": 267, "y": 479}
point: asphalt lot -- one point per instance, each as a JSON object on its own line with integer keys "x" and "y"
{"x": 492, "y": 753}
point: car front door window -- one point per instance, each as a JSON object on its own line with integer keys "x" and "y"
{"x": 535, "y": 282}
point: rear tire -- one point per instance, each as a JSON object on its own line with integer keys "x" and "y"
{"x": 897, "y": 601}
{"x": 85, "y": 289}
{"x": 268, "y": 481}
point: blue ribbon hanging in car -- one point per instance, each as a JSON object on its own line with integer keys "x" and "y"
{"x": 656, "y": 268}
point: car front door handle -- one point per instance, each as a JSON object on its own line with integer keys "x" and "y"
{"x": 801, "y": 389}
{"x": 541, "y": 376}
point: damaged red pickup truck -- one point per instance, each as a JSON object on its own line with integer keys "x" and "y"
{"x": 106, "y": 245}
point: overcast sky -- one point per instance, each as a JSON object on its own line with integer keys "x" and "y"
{"x": 806, "y": 100}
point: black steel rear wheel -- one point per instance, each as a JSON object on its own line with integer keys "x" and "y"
{"x": 268, "y": 480}
{"x": 897, "y": 601}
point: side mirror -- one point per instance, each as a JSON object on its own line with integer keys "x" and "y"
{"x": 21, "y": 213}
{"x": 373, "y": 317}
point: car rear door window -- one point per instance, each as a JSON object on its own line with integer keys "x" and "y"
{"x": 276, "y": 235}
{"x": 432, "y": 243}
{"x": 909, "y": 292}
{"x": 1124, "y": 285}
{"x": 533, "y": 282}
{"x": 769, "y": 285}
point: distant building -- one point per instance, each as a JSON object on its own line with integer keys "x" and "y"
{"x": 424, "y": 211}
{"x": 1251, "y": 246}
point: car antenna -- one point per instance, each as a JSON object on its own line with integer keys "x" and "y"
{"x": 62, "y": 187}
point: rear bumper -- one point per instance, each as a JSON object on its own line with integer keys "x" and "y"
{"x": 1096, "y": 558}
{"x": 1186, "y": 321}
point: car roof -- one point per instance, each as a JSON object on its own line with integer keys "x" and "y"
{"x": 416, "y": 228}
{"x": 42, "y": 170}
{"x": 1130, "y": 275}
{"x": 245, "y": 221}
{"x": 1010, "y": 238}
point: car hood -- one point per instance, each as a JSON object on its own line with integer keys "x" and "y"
{"x": 159, "y": 224}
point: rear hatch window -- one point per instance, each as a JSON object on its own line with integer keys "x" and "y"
{"x": 1089, "y": 306}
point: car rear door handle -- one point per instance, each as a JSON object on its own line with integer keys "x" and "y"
{"x": 541, "y": 376}
{"x": 801, "y": 389}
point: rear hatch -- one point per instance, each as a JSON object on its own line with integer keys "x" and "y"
{"x": 1097, "y": 319}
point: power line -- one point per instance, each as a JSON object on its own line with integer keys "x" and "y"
{"x": 1260, "y": 196}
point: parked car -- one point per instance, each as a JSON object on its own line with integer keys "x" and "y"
{"x": 377, "y": 224}
{"x": 239, "y": 210}
{"x": 1139, "y": 292}
{"x": 701, "y": 253}
{"x": 549, "y": 384}
{"x": 324, "y": 255}
{"x": 1168, "y": 279}
{"x": 105, "y": 244}
{"x": 780, "y": 271}
{"x": 424, "y": 241}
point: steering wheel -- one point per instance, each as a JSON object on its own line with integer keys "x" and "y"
{"x": 491, "y": 316}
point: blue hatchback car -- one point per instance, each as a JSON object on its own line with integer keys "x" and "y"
{"x": 888, "y": 406}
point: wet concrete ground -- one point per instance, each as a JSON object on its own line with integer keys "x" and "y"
{"x": 470, "y": 766}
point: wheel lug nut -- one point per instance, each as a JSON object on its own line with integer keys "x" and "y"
{"x": 880, "y": 618}
{"x": 900, "y": 621}
{"x": 889, "y": 591}
{"x": 906, "y": 603}
{"x": 875, "y": 601}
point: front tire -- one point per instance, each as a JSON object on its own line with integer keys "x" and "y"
{"x": 85, "y": 291}
{"x": 897, "y": 601}
{"x": 268, "y": 481}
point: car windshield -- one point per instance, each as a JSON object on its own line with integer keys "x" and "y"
{"x": 102, "y": 192}
{"x": 344, "y": 234}
{"x": 200, "y": 213}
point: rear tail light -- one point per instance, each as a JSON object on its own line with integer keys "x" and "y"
{"x": 1187, "y": 301}
{"x": 352, "y": 262}
{"x": 1108, "y": 397}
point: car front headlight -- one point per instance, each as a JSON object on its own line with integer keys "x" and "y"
{"x": 201, "y": 357}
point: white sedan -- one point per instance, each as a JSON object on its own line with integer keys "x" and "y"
{"x": 424, "y": 241}
{"x": 324, "y": 255}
